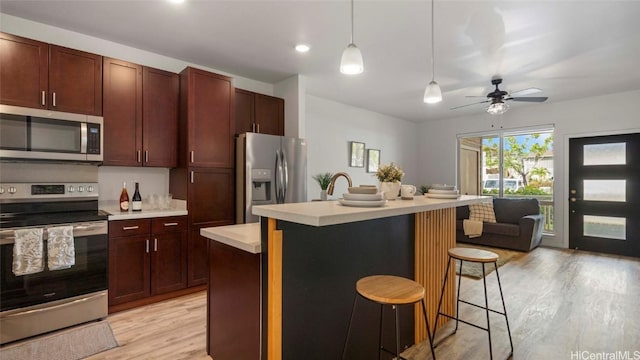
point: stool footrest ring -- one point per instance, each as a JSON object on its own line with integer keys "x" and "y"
{"x": 481, "y": 307}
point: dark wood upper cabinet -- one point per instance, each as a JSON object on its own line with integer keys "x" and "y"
{"x": 207, "y": 114}
{"x": 122, "y": 113}
{"x": 245, "y": 108}
{"x": 75, "y": 81}
{"x": 140, "y": 115}
{"x": 160, "y": 92}
{"x": 39, "y": 75}
{"x": 269, "y": 115}
{"x": 258, "y": 113}
{"x": 24, "y": 71}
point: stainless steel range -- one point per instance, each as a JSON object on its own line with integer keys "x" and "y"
{"x": 53, "y": 258}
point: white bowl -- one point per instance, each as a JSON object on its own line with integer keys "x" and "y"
{"x": 363, "y": 190}
{"x": 443, "y": 187}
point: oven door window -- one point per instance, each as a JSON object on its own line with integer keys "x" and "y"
{"x": 89, "y": 274}
{"x": 32, "y": 133}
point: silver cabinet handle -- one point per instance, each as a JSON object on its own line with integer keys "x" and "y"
{"x": 191, "y": 155}
{"x": 170, "y": 224}
{"x": 147, "y": 246}
{"x": 146, "y": 156}
{"x": 191, "y": 177}
{"x": 130, "y": 227}
{"x": 54, "y": 99}
{"x": 137, "y": 155}
{"x": 44, "y": 98}
{"x": 253, "y": 127}
{"x": 155, "y": 245}
{"x": 258, "y": 125}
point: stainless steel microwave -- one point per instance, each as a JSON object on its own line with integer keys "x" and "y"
{"x": 36, "y": 134}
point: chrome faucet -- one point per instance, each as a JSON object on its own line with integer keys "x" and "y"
{"x": 333, "y": 181}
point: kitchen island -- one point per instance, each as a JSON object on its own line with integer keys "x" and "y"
{"x": 313, "y": 253}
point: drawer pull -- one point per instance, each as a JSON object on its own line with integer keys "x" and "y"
{"x": 171, "y": 224}
{"x": 130, "y": 227}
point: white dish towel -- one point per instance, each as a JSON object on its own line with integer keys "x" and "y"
{"x": 27, "y": 252}
{"x": 62, "y": 253}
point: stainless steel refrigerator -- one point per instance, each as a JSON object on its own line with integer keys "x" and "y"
{"x": 269, "y": 170}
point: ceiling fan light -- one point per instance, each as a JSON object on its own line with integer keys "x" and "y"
{"x": 497, "y": 108}
{"x": 351, "y": 62}
{"x": 432, "y": 94}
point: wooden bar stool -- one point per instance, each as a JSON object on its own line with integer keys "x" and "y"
{"x": 478, "y": 256}
{"x": 394, "y": 291}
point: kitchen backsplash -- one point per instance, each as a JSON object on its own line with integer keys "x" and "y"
{"x": 109, "y": 178}
{"x": 47, "y": 172}
{"x": 152, "y": 181}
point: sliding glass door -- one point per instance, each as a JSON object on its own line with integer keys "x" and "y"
{"x": 511, "y": 164}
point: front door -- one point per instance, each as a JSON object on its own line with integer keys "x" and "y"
{"x": 604, "y": 194}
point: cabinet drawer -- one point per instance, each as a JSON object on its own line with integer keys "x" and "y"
{"x": 121, "y": 228}
{"x": 168, "y": 224}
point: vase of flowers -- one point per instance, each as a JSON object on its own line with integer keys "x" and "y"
{"x": 390, "y": 177}
{"x": 323, "y": 179}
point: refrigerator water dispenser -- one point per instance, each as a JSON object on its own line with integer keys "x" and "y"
{"x": 261, "y": 181}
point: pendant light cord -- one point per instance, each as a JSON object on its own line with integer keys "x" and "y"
{"x": 433, "y": 63}
{"x": 351, "y": 22}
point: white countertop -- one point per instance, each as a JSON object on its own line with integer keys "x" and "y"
{"x": 241, "y": 236}
{"x": 322, "y": 213}
{"x": 178, "y": 208}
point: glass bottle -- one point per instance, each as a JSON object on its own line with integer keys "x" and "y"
{"x": 124, "y": 198}
{"x": 136, "y": 201}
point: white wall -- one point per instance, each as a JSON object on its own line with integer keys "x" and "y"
{"x": 599, "y": 115}
{"x": 331, "y": 126}
{"x": 293, "y": 90}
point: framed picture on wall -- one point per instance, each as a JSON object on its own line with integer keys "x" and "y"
{"x": 356, "y": 154}
{"x": 373, "y": 160}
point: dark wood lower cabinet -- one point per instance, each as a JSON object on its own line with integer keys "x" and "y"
{"x": 147, "y": 261}
{"x": 198, "y": 267}
{"x": 233, "y": 298}
{"x": 129, "y": 271}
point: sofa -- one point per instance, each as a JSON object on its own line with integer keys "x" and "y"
{"x": 518, "y": 225}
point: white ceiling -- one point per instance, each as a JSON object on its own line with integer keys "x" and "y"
{"x": 569, "y": 49}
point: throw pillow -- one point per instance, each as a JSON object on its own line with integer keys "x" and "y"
{"x": 482, "y": 212}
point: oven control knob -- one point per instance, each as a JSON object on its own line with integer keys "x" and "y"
{"x": 71, "y": 189}
{"x": 90, "y": 188}
{"x": 80, "y": 188}
{"x": 1, "y": 190}
{"x": 12, "y": 190}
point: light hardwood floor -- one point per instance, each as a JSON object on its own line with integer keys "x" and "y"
{"x": 559, "y": 302}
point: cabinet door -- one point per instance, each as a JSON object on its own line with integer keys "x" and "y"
{"x": 160, "y": 90}
{"x": 210, "y": 122}
{"x": 23, "y": 71}
{"x": 244, "y": 111}
{"x": 197, "y": 258}
{"x": 168, "y": 262}
{"x": 269, "y": 115}
{"x": 129, "y": 273}
{"x": 75, "y": 81}
{"x": 122, "y": 113}
{"x": 211, "y": 196}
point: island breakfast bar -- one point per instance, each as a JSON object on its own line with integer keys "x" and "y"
{"x": 313, "y": 253}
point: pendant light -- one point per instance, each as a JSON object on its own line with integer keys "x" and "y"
{"x": 432, "y": 94}
{"x": 351, "y": 63}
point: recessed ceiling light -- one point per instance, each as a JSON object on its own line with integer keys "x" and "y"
{"x": 302, "y": 48}
{"x": 176, "y": 1}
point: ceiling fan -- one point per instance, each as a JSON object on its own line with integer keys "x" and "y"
{"x": 498, "y": 97}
